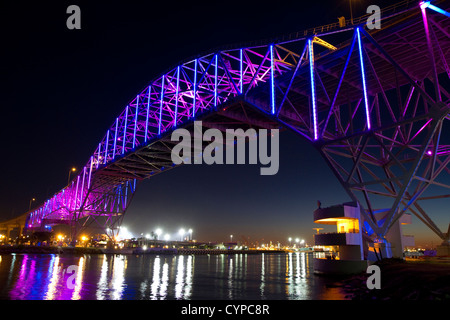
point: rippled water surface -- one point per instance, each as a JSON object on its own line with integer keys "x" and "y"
{"x": 131, "y": 277}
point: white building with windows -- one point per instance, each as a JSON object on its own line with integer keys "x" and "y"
{"x": 343, "y": 249}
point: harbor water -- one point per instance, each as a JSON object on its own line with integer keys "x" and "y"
{"x": 277, "y": 276}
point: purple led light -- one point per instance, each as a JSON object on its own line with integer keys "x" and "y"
{"x": 125, "y": 131}
{"x": 76, "y": 194}
{"x": 176, "y": 97}
{"x": 99, "y": 153}
{"x": 146, "y": 117}
{"x": 195, "y": 88}
{"x": 90, "y": 172}
{"x": 82, "y": 186}
{"x": 115, "y": 138}
{"x": 106, "y": 146}
{"x": 215, "y": 81}
{"x": 135, "y": 121}
{"x": 161, "y": 105}
{"x": 430, "y": 46}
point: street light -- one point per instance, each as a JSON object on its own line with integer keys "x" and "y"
{"x": 181, "y": 233}
{"x": 158, "y": 233}
{"x": 29, "y": 207}
{"x": 351, "y": 12}
{"x": 190, "y": 234}
{"x": 231, "y": 238}
{"x": 70, "y": 172}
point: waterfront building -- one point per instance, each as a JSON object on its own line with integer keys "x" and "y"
{"x": 343, "y": 249}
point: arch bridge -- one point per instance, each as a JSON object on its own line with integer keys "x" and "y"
{"x": 374, "y": 103}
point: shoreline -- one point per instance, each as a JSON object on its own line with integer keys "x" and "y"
{"x": 137, "y": 251}
{"x": 421, "y": 280}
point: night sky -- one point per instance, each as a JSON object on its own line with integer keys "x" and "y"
{"x": 61, "y": 89}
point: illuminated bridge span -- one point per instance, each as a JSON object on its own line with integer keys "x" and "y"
{"x": 375, "y": 104}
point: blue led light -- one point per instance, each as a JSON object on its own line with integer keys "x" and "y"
{"x": 366, "y": 102}
{"x": 427, "y": 4}
{"x": 272, "y": 81}
{"x": 445, "y": 13}
{"x": 313, "y": 88}
{"x": 241, "y": 71}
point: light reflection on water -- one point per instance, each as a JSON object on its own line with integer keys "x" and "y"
{"x": 161, "y": 277}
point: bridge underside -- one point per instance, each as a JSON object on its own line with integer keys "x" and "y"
{"x": 376, "y": 107}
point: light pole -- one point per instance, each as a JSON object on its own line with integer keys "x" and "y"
{"x": 190, "y": 234}
{"x": 231, "y": 238}
{"x": 31, "y": 200}
{"x": 181, "y": 233}
{"x": 290, "y": 245}
{"x": 70, "y": 172}
{"x": 351, "y": 12}
{"x": 158, "y": 233}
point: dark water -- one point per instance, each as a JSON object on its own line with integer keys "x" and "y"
{"x": 167, "y": 277}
